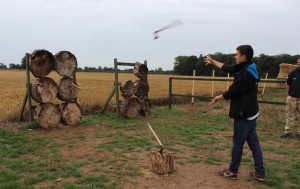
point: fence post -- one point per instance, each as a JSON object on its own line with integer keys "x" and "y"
{"x": 212, "y": 84}
{"x": 263, "y": 92}
{"x": 193, "y": 89}
{"x": 117, "y": 86}
{"x": 170, "y": 93}
{"x": 227, "y": 82}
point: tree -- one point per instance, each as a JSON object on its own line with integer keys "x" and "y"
{"x": 179, "y": 61}
{"x": 184, "y": 65}
{"x": 158, "y": 70}
{"x": 201, "y": 68}
{"x": 14, "y": 66}
{"x": 2, "y": 66}
{"x": 23, "y": 62}
{"x": 99, "y": 69}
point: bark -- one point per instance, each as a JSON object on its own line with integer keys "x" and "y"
{"x": 65, "y": 64}
{"x": 67, "y": 89}
{"x": 130, "y": 107}
{"x": 145, "y": 104}
{"x": 44, "y": 90}
{"x": 140, "y": 70}
{"x": 142, "y": 88}
{"x": 161, "y": 163}
{"x": 46, "y": 115}
{"x": 41, "y": 63}
{"x": 127, "y": 89}
{"x": 71, "y": 113}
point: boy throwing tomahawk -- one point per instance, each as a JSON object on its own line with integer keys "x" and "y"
{"x": 243, "y": 109}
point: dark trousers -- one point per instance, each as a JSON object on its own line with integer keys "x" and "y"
{"x": 246, "y": 130}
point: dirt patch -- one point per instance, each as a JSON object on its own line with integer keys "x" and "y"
{"x": 186, "y": 175}
{"x": 189, "y": 175}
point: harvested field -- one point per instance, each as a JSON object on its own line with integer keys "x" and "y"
{"x": 96, "y": 87}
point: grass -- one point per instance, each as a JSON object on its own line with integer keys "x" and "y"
{"x": 106, "y": 151}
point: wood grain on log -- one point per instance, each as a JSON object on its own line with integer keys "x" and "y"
{"x": 41, "y": 63}
{"x": 161, "y": 163}
{"x": 142, "y": 87}
{"x": 65, "y": 64}
{"x": 130, "y": 107}
{"x": 145, "y": 104}
{"x": 67, "y": 90}
{"x": 71, "y": 113}
{"x": 46, "y": 115}
{"x": 140, "y": 70}
{"x": 127, "y": 89}
{"x": 44, "y": 90}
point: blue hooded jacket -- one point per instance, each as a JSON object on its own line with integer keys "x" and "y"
{"x": 252, "y": 69}
{"x": 243, "y": 91}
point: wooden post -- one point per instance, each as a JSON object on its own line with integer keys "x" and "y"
{"x": 170, "y": 93}
{"x": 212, "y": 84}
{"x": 263, "y": 91}
{"x": 227, "y": 82}
{"x": 117, "y": 86}
{"x": 28, "y": 92}
{"x": 193, "y": 89}
{"x": 145, "y": 62}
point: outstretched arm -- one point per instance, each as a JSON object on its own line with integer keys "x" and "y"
{"x": 216, "y": 99}
{"x": 209, "y": 60}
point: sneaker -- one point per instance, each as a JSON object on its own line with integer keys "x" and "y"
{"x": 226, "y": 173}
{"x": 286, "y": 135}
{"x": 257, "y": 176}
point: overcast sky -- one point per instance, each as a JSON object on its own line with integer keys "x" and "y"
{"x": 97, "y": 31}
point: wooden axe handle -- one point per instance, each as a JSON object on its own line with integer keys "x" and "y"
{"x": 161, "y": 145}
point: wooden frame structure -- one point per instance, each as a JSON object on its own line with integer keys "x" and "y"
{"x": 116, "y": 85}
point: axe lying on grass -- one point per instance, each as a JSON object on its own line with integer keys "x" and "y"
{"x": 159, "y": 142}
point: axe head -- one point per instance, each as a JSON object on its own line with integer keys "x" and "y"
{"x": 161, "y": 150}
{"x": 155, "y": 35}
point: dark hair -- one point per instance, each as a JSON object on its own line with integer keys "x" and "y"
{"x": 246, "y": 50}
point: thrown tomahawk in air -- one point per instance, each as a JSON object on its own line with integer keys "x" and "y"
{"x": 173, "y": 24}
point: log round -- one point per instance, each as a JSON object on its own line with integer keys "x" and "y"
{"x": 41, "y": 63}
{"x": 65, "y": 63}
{"x": 140, "y": 70}
{"x": 44, "y": 90}
{"x": 127, "y": 89}
{"x": 161, "y": 163}
{"x": 130, "y": 107}
{"x": 145, "y": 104}
{"x": 142, "y": 88}
{"x": 71, "y": 113}
{"x": 67, "y": 89}
{"x": 46, "y": 115}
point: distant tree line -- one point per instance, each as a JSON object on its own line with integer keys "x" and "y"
{"x": 86, "y": 68}
{"x": 184, "y": 65}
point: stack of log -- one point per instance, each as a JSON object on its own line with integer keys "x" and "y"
{"x": 135, "y": 95}
{"x": 44, "y": 90}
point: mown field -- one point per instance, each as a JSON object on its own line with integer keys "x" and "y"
{"x": 96, "y": 87}
{"x": 105, "y": 151}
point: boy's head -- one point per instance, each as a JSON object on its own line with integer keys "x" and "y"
{"x": 244, "y": 53}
